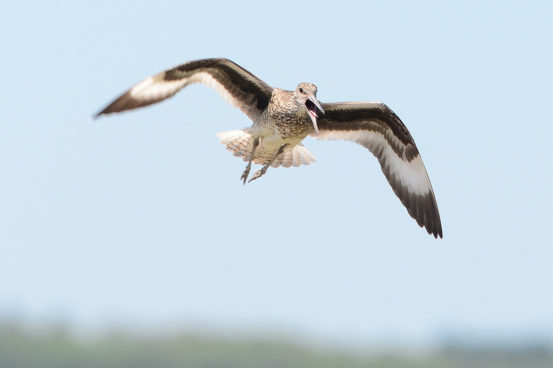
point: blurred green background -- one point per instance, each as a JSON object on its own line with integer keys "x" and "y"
{"x": 56, "y": 347}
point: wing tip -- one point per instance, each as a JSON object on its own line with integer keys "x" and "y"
{"x": 435, "y": 232}
{"x": 123, "y": 103}
{"x": 110, "y": 108}
{"x": 432, "y": 222}
{"x": 104, "y": 111}
{"x": 98, "y": 114}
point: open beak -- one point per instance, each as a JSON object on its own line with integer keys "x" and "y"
{"x": 314, "y": 108}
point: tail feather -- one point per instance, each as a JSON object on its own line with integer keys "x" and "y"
{"x": 240, "y": 143}
{"x": 295, "y": 156}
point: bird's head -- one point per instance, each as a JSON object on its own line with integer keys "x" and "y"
{"x": 306, "y": 95}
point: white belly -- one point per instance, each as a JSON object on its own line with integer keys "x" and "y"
{"x": 240, "y": 143}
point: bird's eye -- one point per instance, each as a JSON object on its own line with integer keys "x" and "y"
{"x": 301, "y": 90}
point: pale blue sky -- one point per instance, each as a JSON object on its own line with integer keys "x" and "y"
{"x": 142, "y": 218}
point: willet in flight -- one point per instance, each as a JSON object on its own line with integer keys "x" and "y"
{"x": 282, "y": 119}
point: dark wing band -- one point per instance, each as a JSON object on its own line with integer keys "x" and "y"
{"x": 376, "y": 127}
{"x": 235, "y": 84}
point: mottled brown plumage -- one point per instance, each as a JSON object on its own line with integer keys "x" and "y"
{"x": 282, "y": 119}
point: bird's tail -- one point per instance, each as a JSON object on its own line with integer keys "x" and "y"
{"x": 240, "y": 143}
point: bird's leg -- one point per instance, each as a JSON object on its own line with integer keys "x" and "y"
{"x": 246, "y": 172}
{"x": 263, "y": 170}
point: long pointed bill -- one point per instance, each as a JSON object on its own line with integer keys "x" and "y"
{"x": 312, "y": 111}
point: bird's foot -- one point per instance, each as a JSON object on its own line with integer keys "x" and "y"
{"x": 246, "y": 172}
{"x": 258, "y": 174}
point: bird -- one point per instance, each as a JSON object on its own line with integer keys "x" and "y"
{"x": 283, "y": 118}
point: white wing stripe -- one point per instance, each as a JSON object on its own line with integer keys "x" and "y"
{"x": 153, "y": 89}
{"x": 157, "y": 88}
{"x": 411, "y": 174}
{"x": 208, "y": 80}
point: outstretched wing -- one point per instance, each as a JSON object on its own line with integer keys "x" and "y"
{"x": 375, "y": 126}
{"x": 235, "y": 84}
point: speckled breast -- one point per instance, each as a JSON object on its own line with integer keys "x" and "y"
{"x": 288, "y": 118}
{"x": 290, "y": 126}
